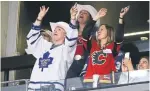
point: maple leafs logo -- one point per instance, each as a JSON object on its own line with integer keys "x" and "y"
{"x": 96, "y": 57}
{"x": 45, "y": 61}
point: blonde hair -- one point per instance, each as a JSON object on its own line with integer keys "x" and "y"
{"x": 46, "y": 33}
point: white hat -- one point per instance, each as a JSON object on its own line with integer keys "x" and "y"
{"x": 90, "y": 9}
{"x": 66, "y": 27}
{"x": 63, "y": 25}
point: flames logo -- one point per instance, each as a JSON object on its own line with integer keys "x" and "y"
{"x": 98, "y": 57}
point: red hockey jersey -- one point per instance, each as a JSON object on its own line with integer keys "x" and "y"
{"x": 81, "y": 44}
{"x": 101, "y": 61}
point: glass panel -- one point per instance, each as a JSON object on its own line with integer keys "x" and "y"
{"x": 79, "y": 83}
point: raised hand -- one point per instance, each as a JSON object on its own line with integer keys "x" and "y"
{"x": 127, "y": 64}
{"x": 124, "y": 67}
{"x": 42, "y": 12}
{"x": 102, "y": 12}
{"x": 73, "y": 11}
{"x": 124, "y": 11}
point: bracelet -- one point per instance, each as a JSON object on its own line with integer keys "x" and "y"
{"x": 38, "y": 19}
{"x": 120, "y": 18}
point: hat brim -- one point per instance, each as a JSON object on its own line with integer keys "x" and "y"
{"x": 63, "y": 25}
{"x": 59, "y": 24}
{"x": 90, "y": 9}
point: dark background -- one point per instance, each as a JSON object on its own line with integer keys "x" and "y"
{"x": 136, "y": 19}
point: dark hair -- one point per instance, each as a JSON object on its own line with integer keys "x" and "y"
{"x": 90, "y": 19}
{"x": 134, "y": 52}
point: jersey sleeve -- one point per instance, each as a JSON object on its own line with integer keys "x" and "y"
{"x": 71, "y": 43}
{"x": 72, "y": 35}
{"x": 70, "y": 55}
{"x": 37, "y": 45}
{"x": 119, "y": 34}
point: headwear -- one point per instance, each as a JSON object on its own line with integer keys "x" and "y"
{"x": 90, "y": 9}
{"x": 65, "y": 26}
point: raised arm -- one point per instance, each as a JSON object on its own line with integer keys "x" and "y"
{"x": 36, "y": 43}
{"x": 88, "y": 29}
{"x": 41, "y": 15}
{"x": 72, "y": 35}
{"x": 120, "y": 28}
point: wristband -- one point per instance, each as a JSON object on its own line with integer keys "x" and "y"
{"x": 38, "y": 19}
{"x": 120, "y": 18}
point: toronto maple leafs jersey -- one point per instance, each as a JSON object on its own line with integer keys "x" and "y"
{"x": 52, "y": 63}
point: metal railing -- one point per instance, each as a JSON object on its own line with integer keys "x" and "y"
{"x": 82, "y": 84}
{"x": 6, "y": 84}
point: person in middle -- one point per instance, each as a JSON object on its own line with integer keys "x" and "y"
{"x": 85, "y": 14}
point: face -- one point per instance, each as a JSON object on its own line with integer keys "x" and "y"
{"x": 143, "y": 64}
{"x": 102, "y": 33}
{"x": 59, "y": 34}
{"x": 83, "y": 16}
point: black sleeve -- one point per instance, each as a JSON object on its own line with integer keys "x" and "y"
{"x": 119, "y": 34}
{"x": 88, "y": 29}
{"x": 86, "y": 34}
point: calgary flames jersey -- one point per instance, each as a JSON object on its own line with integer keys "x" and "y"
{"x": 101, "y": 61}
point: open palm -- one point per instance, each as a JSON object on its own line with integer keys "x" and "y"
{"x": 102, "y": 12}
{"x": 42, "y": 12}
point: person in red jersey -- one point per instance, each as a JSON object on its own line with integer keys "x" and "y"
{"x": 102, "y": 58}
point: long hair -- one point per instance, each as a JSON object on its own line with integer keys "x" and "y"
{"x": 89, "y": 20}
{"x": 110, "y": 34}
